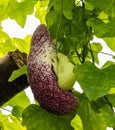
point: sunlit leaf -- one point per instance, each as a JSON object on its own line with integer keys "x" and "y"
{"x": 77, "y": 123}
{"x": 20, "y": 99}
{"x": 3, "y": 36}
{"x": 5, "y": 43}
{"x": 17, "y": 73}
{"x": 21, "y": 44}
{"x": 104, "y": 17}
{"x": 41, "y": 11}
{"x": 107, "y": 64}
{"x": 10, "y": 122}
{"x": 19, "y": 10}
{"x": 3, "y": 13}
{"x": 15, "y": 124}
{"x": 111, "y": 91}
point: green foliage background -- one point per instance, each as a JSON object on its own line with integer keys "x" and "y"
{"x": 72, "y": 24}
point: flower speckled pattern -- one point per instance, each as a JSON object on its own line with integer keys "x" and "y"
{"x": 42, "y": 78}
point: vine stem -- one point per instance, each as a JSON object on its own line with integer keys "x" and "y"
{"x": 91, "y": 51}
{"x": 58, "y": 27}
{"x": 6, "y": 110}
{"x": 106, "y": 53}
{"x": 9, "y": 112}
{"x": 60, "y": 19}
{"x": 102, "y": 53}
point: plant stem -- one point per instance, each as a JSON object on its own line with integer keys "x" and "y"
{"x": 60, "y": 19}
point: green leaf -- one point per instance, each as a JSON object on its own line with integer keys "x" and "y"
{"x": 8, "y": 46}
{"x": 21, "y": 44}
{"x": 20, "y": 99}
{"x": 113, "y": 57}
{"x": 63, "y": 6}
{"x": 65, "y": 47}
{"x": 111, "y": 91}
{"x": 111, "y": 11}
{"x": 77, "y": 123}
{"x": 16, "y": 73}
{"x": 98, "y": 25}
{"x": 3, "y": 122}
{"x": 41, "y": 10}
{"x": 68, "y": 14}
{"x": 95, "y": 82}
{"x": 3, "y": 36}
{"x": 67, "y": 8}
{"x": 51, "y": 4}
{"x": 15, "y": 124}
{"x": 103, "y": 5}
{"x": 110, "y": 42}
{"x": 58, "y": 6}
{"x": 79, "y": 22}
{"x": 5, "y": 43}
{"x": 95, "y": 49}
{"x": 27, "y": 41}
{"x": 10, "y": 122}
{"x": 107, "y": 64}
{"x": 1, "y": 126}
{"x": 51, "y": 17}
{"x": 108, "y": 116}
{"x": 59, "y": 31}
{"x": 91, "y": 119}
{"x": 19, "y": 10}
{"x": 111, "y": 98}
{"x": 110, "y": 28}
{"x": 68, "y": 4}
{"x": 104, "y": 17}
{"x": 17, "y": 111}
{"x": 3, "y": 13}
{"x": 101, "y": 29}
{"x": 34, "y": 118}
